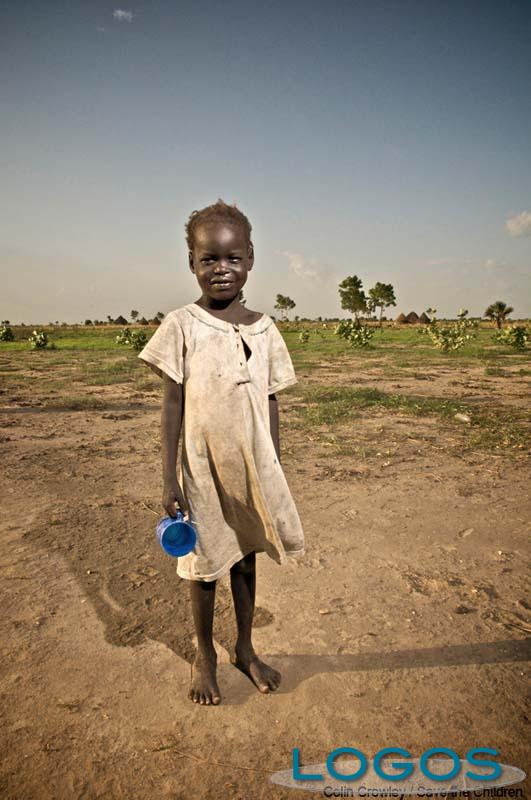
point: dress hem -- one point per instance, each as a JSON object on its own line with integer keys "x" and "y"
{"x": 230, "y": 563}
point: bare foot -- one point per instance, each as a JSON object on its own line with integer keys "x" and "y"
{"x": 264, "y": 677}
{"x": 204, "y": 688}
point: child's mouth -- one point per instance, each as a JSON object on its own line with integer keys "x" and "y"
{"x": 222, "y": 284}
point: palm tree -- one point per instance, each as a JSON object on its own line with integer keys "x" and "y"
{"x": 498, "y": 311}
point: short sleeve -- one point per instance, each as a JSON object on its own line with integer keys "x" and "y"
{"x": 164, "y": 351}
{"x": 281, "y": 372}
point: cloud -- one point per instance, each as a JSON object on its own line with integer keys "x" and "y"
{"x": 122, "y": 16}
{"x": 520, "y": 224}
{"x": 299, "y": 265}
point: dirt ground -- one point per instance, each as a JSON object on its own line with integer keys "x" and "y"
{"x": 406, "y": 622}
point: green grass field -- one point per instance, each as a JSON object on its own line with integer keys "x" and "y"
{"x": 87, "y": 369}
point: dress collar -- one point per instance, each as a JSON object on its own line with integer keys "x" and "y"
{"x": 205, "y": 316}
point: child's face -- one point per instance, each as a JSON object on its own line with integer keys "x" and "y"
{"x": 221, "y": 259}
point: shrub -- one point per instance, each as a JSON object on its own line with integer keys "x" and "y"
{"x": 515, "y": 336}
{"x": 453, "y": 336}
{"x": 354, "y": 332}
{"x": 6, "y": 334}
{"x": 304, "y": 336}
{"x": 38, "y": 340}
{"x": 135, "y": 339}
{"x": 124, "y": 337}
{"x": 139, "y": 339}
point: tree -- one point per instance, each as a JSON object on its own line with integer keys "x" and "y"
{"x": 88, "y": 322}
{"x": 159, "y": 315}
{"x": 109, "y": 319}
{"x": 134, "y": 315}
{"x": 353, "y": 297}
{"x": 284, "y": 304}
{"x": 120, "y": 320}
{"x": 381, "y": 296}
{"x": 142, "y": 321}
{"x": 498, "y": 311}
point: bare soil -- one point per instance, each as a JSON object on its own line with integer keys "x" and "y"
{"x": 406, "y": 622}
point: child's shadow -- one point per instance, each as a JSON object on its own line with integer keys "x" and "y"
{"x": 297, "y": 668}
{"x": 136, "y": 593}
{"x": 132, "y": 584}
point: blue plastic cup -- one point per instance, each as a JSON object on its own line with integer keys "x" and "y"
{"x": 176, "y": 536}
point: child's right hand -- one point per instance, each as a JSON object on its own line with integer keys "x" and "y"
{"x": 172, "y": 494}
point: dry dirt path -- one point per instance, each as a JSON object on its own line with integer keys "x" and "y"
{"x": 406, "y": 623}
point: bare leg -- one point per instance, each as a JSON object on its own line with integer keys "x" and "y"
{"x": 243, "y": 586}
{"x": 204, "y": 688}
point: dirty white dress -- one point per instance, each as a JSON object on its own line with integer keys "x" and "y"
{"x": 231, "y": 478}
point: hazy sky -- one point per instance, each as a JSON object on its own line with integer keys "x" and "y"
{"x": 391, "y": 140}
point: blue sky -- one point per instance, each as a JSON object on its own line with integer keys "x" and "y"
{"x": 391, "y": 140}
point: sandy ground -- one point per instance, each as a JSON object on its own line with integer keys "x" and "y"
{"x": 406, "y": 622}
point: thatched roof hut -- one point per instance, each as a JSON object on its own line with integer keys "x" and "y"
{"x": 401, "y": 319}
{"x": 424, "y": 318}
{"x": 412, "y": 318}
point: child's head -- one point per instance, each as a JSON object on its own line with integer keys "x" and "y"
{"x": 218, "y": 212}
{"x": 220, "y": 250}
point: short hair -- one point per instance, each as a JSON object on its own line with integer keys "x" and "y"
{"x": 217, "y": 212}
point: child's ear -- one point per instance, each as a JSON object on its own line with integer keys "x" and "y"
{"x": 191, "y": 260}
{"x": 250, "y": 253}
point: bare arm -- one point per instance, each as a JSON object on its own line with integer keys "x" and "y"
{"x": 274, "y": 423}
{"x": 171, "y": 421}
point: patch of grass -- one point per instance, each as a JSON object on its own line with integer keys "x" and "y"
{"x": 329, "y": 405}
{"x": 497, "y": 372}
{"x": 499, "y": 428}
{"x": 491, "y": 427}
{"x": 299, "y": 364}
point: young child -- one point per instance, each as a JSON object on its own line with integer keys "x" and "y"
{"x": 222, "y": 366}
